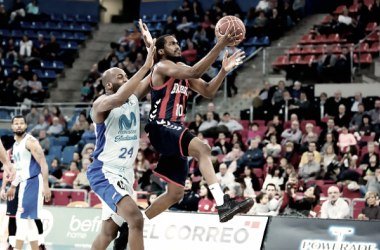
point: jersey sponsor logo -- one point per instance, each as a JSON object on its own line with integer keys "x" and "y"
{"x": 179, "y": 89}
{"x": 121, "y": 185}
{"x": 125, "y": 133}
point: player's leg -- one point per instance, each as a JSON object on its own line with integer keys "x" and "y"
{"x": 164, "y": 201}
{"x": 12, "y": 228}
{"x": 32, "y": 234}
{"x": 21, "y": 234}
{"x": 41, "y": 237}
{"x": 129, "y": 211}
{"x": 122, "y": 241}
{"x": 227, "y": 208}
{"x": 107, "y": 234}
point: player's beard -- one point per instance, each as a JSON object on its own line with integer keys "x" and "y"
{"x": 175, "y": 59}
{"x": 20, "y": 133}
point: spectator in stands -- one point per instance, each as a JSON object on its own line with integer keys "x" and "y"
{"x": 321, "y": 103}
{"x": 275, "y": 24}
{"x": 272, "y": 131}
{"x": 312, "y": 148}
{"x": 309, "y": 170}
{"x": 373, "y": 184}
{"x": 32, "y": 8}
{"x": 170, "y": 27}
{"x": 3, "y": 17}
{"x": 148, "y": 153}
{"x": 263, "y": 97}
{"x": 309, "y": 127}
{"x": 370, "y": 169}
{"x": 194, "y": 125}
{"x": 278, "y": 126}
{"x": 211, "y": 108}
{"x": 122, "y": 40}
{"x": 251, "y": 182}
{"x": 215, "y": 161}
{"x": 196, "y": 11}
{"x": 209, "y": 123}
{"x": 223, "y": 145}
{"x": 262, "y": 6}
{"x": 81, "y": 181}
{"x": 190, "y": 199}
{"x": 366, "y": 128}
{"x": 185, "y": 9}
{"x": 299, "y": 8}
{"x": 206, "y": 204}
{"x": 42, "y": 125}
{"x": 278, "y": 95}
{"x": 10, "y": 50}
{"x": 141, "y": 165}
{"x": 36, "y": 91}
{"x": 231, "y": 124}
{"x": 363, "y": 14}
{"x": 261, "y": 205}
{"x": 288, "y": 15}
{"x": 9, "y": 94}
{"x": 375, "y": 113}
{"x": 183, "y": 29}
{"x": 275, "y": 176}
{"x": 55, "y": 173}
{"x": 303, "y": 105}
{"x": 56, "y": 128}
{"x": 90, "y": 134}
{"x": 329, "y": 129}
{"x": 236, "y": 138}
{"x": 83, "y": 122}
{"x": 18, "y": 10}
{"x": 342, "y": 119}
{"x": 268, "y": 165}
{"x": 328, "y": 157}
{"x": 231, "y": 76}
{"x": 330, "y": 27}
{"x": 273, "y": 148}
{"x": 21, "y": 86}
{"x": 253, "y": 157}
{"x": 68, "y": 177}
{"x": 290, "y": 155}
{"x": 345, "y": 138}
{"x": 32, "y": 118}
{"x": 139, "y": 61}
{"x": 335, "y": 207}
{"x": 372, "y": 212}
{"x": 224, "y": 176}
{"x": 52, "y": 49}
{"x": 27, "y": 74}
{"x": 114, "y": 61}
{"x": 38, "y": 46}
{"x": 305, "y": 145}
{"x": 78, "y": 158}
{"x": 343, "y": 71}
{"x": 25, "y": 47}
{"x": 329, "y": 140}
{"x": 57, "y": 113}
{"x": 349, "y": 161}
{"x": 367, "y": 156}
{"x": 325, "y": 67}
{"x": 134, "y": 38}
{"x": 75, "y": 134}
{"x": 304, "y": 206}
{"x": 296, "y": 92}
{"x": 357, "y": 119}
{"x": 292, "y": 134}
{"x": 255, "y": 131}
{"x": 260, "y": 24}
{"x": 344, "y": 19}
{"x": 231, "y": 7}
{"x": 358, "y": 100}
{"x": 121, "y": 53}
{"x": 44, "y": 141}
{"x": 375, "y": 11}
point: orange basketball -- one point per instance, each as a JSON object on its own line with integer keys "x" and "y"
{"x": 223, "y": 25}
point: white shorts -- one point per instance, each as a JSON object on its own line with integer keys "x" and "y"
{"x": 30, "y": 198}
{"x": 107, "y": 214}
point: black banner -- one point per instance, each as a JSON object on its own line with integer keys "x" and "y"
{"x": 320, "y": 234}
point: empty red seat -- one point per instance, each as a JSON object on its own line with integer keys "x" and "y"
{"x": 61, "y": 198}
{"x": 367, "y": 138}
{"x": 196, "y": 178}
{"x": 320, "y": 39}
{"x": 287, "y": 124}
{"x": 337, "y": 49}
{"x": 306, "y": 39}
{"x": 263, "y": 129}
{"x": 364, "y": 58}
{"x": 374, "y": 48}
{"x": 79, "y": 195}
{"x": 353, "y": 9}
{"x": 319, "y": 183}
{"x": 363, "y": 47}
{"x": 317, "y": 130}
{"x": 357, "y": 205}
{"x": 281, "y": 61}
{"x": 295, "y": 60}
{"x": 259, "y": 122}
{"x": 244, "y": 133}
{"x": 339, "y": 9}
{"x": 375, "y": 37}
{"x": 333, "y": 38}
{"x": 325, "y": 187}
{"x": 271, "y": 121}
{"x": 321, "y": 49}
{"x": 327, "y": 19}
{"x": 319, "y": 57}
{"x": 307, "y": 59}
{"x": 258, "y": 172}
{"x": 244, "y": 123}
{"x": 94, "y": 199}
{"x": 308, "y": 49}
{"x": 294, "y": 50}
{"x": 371, "y": 26}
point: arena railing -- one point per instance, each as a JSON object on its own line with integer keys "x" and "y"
{"x": 194, "y": 103}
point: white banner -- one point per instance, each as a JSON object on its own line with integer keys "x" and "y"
{"x": 196, "y": 231}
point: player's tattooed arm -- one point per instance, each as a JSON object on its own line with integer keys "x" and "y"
{"x": 178, "y": 71}
{"x": 35, "y": 148}
{"x": 208, "y": 89}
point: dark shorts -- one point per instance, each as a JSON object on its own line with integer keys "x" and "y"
{"x": 13, "y": 204}
{"x": 171, "y": 140}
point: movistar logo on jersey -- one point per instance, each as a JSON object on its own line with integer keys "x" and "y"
{"x": 179, "y": 89}
{"x": 125, "y": 126}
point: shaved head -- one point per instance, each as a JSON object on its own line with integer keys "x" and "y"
{"x": 333, "y": 189}
{"x": 113, "y": 79}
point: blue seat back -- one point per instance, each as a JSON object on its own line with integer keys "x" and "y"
{"x": 55, "y": 151}
{"x": 68, "y": 154}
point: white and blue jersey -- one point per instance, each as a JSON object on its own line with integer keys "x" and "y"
{"x": 111, "y": 175}
{"x": 30, "y": 199}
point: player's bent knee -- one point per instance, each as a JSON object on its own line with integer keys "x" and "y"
{"x": 136, "y": 222}
{"x": 176, "y": 196}
{"x": 109, "y": 235}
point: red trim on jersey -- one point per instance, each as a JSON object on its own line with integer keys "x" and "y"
{"x": 151, "y": 85}
{"x": 180, "y": 140}
{"x": 167, "y": 179}
{"x": 151, "y": 74}
{"x": 11, "y": 216}
{"x": 176, "y": 102}
{"x": 164, "y": 102}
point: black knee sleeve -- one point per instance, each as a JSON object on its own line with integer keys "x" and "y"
{"x": 39, "y": 226}
{"x": 12, "y": 227}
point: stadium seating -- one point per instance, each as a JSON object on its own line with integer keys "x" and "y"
{"x": 357, "y": 205}
{"x": 61, "y": 197}
{"x": 93, "y": 199}
{"x": 68, "y": 153}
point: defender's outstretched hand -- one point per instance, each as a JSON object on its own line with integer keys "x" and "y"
{"x": 232, "y": 61}
{"x": 146, "y": 34}
{"x": 151, "y": 53}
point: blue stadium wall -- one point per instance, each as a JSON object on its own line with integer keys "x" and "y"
{"x": 83, "y": 7}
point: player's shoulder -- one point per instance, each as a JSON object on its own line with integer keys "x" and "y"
{"x": 31, "y": 141}
{"x": 98, "y": 100}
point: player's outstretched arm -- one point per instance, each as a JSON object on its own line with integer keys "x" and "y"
{"x": 208, "y": 89}
{"x": 126, "y": 90}
{"x": 170, "y": 69}
{"x": 35, "y": 148}
{"x": 8, "y": 168}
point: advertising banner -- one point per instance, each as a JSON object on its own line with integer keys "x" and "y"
{"x": 321, "y": 234}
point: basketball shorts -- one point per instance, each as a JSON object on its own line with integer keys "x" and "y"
{"x": 30, "y": 198}
{"x": 110, "y": 183}
{"x": 171, "y": 140}
{"x": 107, "y": 214}
{"x": 13, "y": 204}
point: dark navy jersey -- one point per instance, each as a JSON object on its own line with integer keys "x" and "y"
{"x": 169, "y": 100}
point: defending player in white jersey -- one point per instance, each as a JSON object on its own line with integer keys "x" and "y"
{"x": 111, "y": 175}
{"x": 32, "y": 175}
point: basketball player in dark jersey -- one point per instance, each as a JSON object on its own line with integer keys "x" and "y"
{"x": 170, "y": 82}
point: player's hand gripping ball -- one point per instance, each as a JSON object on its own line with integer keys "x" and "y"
{"x": 227, "y": 21}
